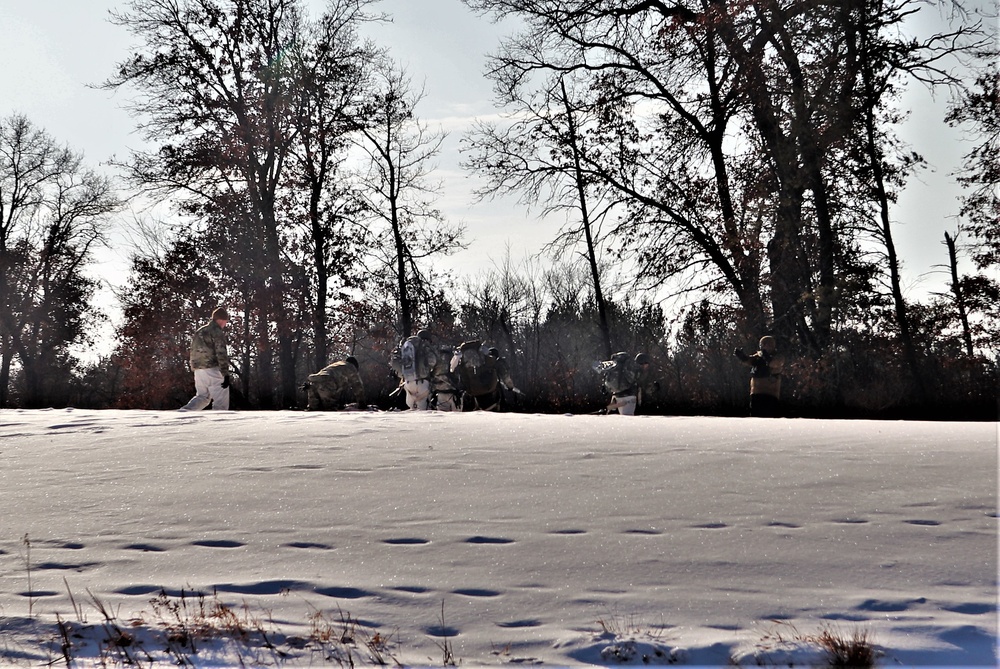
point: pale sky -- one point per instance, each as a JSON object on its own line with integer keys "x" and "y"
{"x": 52, "y": 51}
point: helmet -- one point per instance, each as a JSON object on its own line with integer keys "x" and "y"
{"x": 493, "y": 352}
{"x": 424, "y": 334}
{"x": 351, "y": 359}
{"x": 768, "y": 343}
{"x": 620, "y": 356}
{"x": 642, "y": 359}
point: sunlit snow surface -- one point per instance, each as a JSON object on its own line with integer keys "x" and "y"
{"x": 489, "y": 539}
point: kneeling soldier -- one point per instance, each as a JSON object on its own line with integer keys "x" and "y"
{"x": 335, "y": 386}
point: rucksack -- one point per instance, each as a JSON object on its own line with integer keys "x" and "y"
{"x": 481, "y": 380}
{"x": 618, "y": 374}
{"x": 413, "y": 359}
{"x": 472, "y": 354}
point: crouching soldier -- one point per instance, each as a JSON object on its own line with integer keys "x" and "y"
{"x": 482, "y": 376}
{"x": 445, "y": 393}
{"x": 619, "y": 376}
{"x": 414, "y": 361}
{"x": 335, "y": 386}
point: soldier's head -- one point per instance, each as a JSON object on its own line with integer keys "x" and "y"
{"x": 493, "y": 353}
{"x": 351, "y": 359}
{"x": 220, "y": 314}
{"x": 768, "y": 344}
{"x": 424, "y": 334}
{"x": 642, "y": 359}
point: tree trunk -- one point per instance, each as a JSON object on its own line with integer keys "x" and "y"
{"x": 405, "y": 306}
{"x": 320, "y": 240}
{"x": 956, "y": 288}
{"x": 874, "y": 156}
{"x": 602, "y": 309}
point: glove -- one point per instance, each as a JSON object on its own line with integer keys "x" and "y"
{"x": 226, "y": 381}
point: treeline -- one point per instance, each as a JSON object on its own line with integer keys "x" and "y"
{"x": 547, "y": 329}
{"x": 738, "y": 157}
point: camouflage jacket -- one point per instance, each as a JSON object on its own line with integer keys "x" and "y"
{"x": 208, "y": 348}
{"x": 338, "y": 382}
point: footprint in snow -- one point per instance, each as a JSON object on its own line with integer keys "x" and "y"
{"x": 145, "y": 548}
{"x": 338, "y": 592}
{"x": 972, "y": 609}
{"x": 517, "y": 624}
{"x": 441, "y": 631}
{"x": 138, "y": 590}
{"x": 887, "y": 606}
{"x": 488, "y": 540}
{"x": 406, "y": 541}
{"x": 218, "y": 543}
{"x": 264, "y": 587}
{"x": 476, "y": 592}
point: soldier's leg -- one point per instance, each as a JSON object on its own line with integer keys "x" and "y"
{"x": 313, "y": 403}
{"x": 203, "y": 396}
{"x": 220, "y": 395}
{"x": 626, "y": 405}
{"x": 417, "y": 394}
{"x": 446, "y": 400}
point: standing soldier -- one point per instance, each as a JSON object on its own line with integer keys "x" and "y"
{"x": 335, "y": 386}
{"x": 766, "y": 367}
{"x": 210, "y": 364}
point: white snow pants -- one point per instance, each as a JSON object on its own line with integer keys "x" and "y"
{"x": 625, "y": 405}
{"x": 417, "y": 394}
{"x": 208, "y": 388}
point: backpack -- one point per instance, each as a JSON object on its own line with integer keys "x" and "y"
{"x": 618, "y": 374}
{"x": 481, "y": 380}
{"x": 413, "y": 359}
{"x": 472, "y": 354}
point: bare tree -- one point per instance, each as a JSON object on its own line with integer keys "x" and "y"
{"x": 53, "y": 212}
{"x": 397, "y": 191}
{"x": 977, "y": 110}
{"x": 245, "y": 102}
{"x": 724, "y": 127}
{"x": 332, "y": 67}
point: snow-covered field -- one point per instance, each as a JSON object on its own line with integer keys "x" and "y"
{"x": 424, "y": 538}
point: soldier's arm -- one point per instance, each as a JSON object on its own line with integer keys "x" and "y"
{"x": 222, "y": 353}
